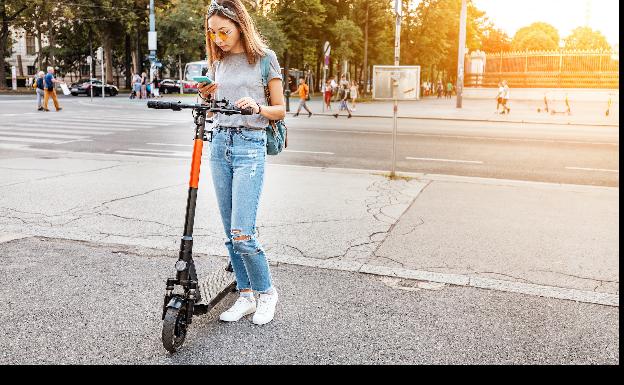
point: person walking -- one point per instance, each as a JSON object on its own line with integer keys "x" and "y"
{"x": 327, "y": 94}
{"x": 304, "y": 92}
{"x": 344, "y": 97}
{"x": 136, "y": 86}
{"x": 156, "y": 86}
{"x": 238, "y": 148}
{"x": 353, "y": 94}
{"x": 499, "y": 97}
{"x": 50, "y": 90}
{"x": 505, "y": 96}
{"x": 143, "y": 85}
{"x": 40, "y": 89}
{"x": 449, "y": 89}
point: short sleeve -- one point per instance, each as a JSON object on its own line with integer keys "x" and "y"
{"x": 275, "y": 71}
{"x": 212, "y": 69}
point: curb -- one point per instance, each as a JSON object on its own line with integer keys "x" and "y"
{"x": 457, "y": 280}
{"x": 474, "y": 120}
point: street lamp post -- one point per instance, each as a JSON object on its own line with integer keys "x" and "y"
{"x": 461, "y": 54}
{"x": 151, "y": 39}
{"x": 397, "y": 55}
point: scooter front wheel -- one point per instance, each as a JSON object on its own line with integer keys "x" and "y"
{"x": 174, "y": 329}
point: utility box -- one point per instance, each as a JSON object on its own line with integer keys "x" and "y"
{"x": 406, "y": 78}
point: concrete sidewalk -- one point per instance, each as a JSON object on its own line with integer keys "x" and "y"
{"x": 583, "y": 113}
{"x": 558, "y": 241}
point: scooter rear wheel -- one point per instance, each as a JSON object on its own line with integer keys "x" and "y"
{"x": 174, "y": 329}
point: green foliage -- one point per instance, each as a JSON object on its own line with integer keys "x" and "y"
{"x": 348, "y": 36}
{"x": 584, "y": 38}
{"x": 536, "y": 37}
{"x": 495, "y": 40}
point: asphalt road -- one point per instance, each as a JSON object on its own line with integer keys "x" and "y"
{"x": 536, "y": 152}
{"x": 70, "y": 302}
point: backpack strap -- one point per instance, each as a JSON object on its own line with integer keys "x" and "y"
{"x": 264, "y": 67}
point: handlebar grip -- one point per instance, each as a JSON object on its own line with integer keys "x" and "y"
{"x": 247, "y": 111}
{"x": 160, "y": 105}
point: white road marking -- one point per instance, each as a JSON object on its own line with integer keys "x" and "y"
{"x": 74, "y": 125}
{"x": 26, "y": 140}
{"x": 12, "y": 146}
{"x": 41, "y": 135}
{"x": 60, "y": 131}
{"x": 592, "y": 169}
{"x": 311, "y": 152}
{"x": 445, "y": 160}
{"x": 154, "y": 153}
{"x": 170, "y": 144}
{"x": 463, "y": 137}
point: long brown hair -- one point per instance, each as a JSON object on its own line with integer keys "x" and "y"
{"x": 252, "y": 42}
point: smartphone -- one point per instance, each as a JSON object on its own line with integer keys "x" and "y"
{"x": 202, "y": 79}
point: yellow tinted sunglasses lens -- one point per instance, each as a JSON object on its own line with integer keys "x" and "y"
{"x": 222, "y": 35}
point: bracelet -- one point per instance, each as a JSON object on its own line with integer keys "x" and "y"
{"x": 259, "y": 108}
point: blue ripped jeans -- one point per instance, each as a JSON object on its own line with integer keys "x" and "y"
{"x": 237, "y": 159}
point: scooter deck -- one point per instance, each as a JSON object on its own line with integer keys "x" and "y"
{"x": 213, "y": 288}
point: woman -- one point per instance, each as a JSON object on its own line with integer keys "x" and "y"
{"x": 136, "y": 86}
{"x": 353, "y": 93}
{"x": 327, "y": 93}
{"x": 143, "y": 85}
{"x": 238, "y": 148}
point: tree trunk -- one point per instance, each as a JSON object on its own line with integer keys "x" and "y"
{"x": 107, "y": 44}
{"x": 128, "y": 61}
{"x": 139, "y": 60}
{"x": 365, "y": 65}
{"x": 51, "y": 42}
{"x": 4, "y": 38}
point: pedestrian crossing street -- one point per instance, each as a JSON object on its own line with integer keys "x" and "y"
{"x": 62, "y": 129}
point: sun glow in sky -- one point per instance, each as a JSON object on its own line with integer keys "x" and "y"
{"x": 565, "y": 15}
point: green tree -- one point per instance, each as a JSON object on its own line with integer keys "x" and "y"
{"x": 431, "y": 36}
{"x": 585, "y": 38}
{"x": 300, "y": 19}
{"x": 9, "y": 13}
{"x": 536, "y": 37}
{"x": 348, "y": 35}
{"x": 495, "y": 40}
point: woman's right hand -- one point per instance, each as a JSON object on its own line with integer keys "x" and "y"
{"x": 207, "y": 89}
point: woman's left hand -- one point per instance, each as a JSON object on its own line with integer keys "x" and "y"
{"x": 247, "y": 102}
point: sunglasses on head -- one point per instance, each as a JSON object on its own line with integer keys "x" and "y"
{"x": 223, "y": 35}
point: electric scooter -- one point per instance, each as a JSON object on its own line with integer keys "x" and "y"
{"x": 185, "y": 296}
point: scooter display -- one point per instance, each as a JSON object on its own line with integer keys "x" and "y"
{"x": 185, "y": 295}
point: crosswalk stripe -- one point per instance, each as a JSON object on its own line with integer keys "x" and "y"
{"x": 77, "y": 126}
{"x": 42, "y": 135}
{"x": 111, "y": 121}
{"x": 26, "y": 140}
{"x": 153, "y": 153}
{"x": 12, "y": 146}
{"x": 61, "y": 131}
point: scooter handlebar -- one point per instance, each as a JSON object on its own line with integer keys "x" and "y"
{"x": 177, "y": 106}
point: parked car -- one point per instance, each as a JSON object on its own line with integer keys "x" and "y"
{"x": 169, "y": 86}
{"x": 83, "y": 86}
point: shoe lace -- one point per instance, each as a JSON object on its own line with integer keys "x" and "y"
{"x": 241, "y": 302}
{"x": 264, "y": 304}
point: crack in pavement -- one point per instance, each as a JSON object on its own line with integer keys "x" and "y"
{"x": 309, "y": 222}
{"x": 61, "y": 175}
{"x": 574, "y": 276}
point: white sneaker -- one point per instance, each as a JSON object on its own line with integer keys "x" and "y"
{"x": 266, "y": 308}
{"x": 242, "y": 307}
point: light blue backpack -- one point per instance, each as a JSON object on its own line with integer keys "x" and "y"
{"x": 277, "y": 133}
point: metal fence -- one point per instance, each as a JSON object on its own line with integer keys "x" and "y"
{"x": 545, "y": 69}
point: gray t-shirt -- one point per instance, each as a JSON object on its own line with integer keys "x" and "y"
{"x": 238, "y": 79}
